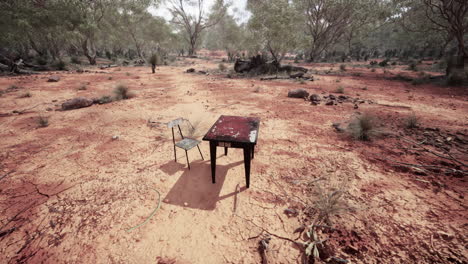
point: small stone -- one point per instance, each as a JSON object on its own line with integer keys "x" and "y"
{"x": 54, "y": 78}
{"x": 298, "y": 93}
{"x": 185, "y": 204}
{"x": 115, "y": 137}
{"x": 330, "y": 103}
{"x": 191, "y": 70}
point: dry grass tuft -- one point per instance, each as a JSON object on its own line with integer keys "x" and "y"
{"x": 363, "y": 127}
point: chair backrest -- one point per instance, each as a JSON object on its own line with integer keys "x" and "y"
{"x": 176, "y": 122}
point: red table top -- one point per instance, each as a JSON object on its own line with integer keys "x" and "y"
{"x": 234, "y": 129}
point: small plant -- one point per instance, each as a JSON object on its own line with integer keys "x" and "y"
{"x": 122, "y": 92}
{"x": 12, "y": 87}
{"x": 26, "y": 95}
{"x": 357, "y": 74}
{"x": 75, "y": 60}
{"x": 222, "y": 67}
{"x": 128, "y": 74}
{"x": 412, "y": 121}
{"x": 302, "y": 81}
{"x": 340, "y": 90}
{"x": 342, "y": 67}
{"x": 373, "y": 70}
{"x": 257, "y": 89}
{"x": 365, "y": 88}
{"x": 362, "y": 127}
{"x": 384, "y": 63}
{"x": 110, "y": 78}
{"x": 338, "y": 80}
{"x": 82, "y": 87}
{"x": 43, "y": 121}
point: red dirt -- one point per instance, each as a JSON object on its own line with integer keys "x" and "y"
{"x": 69, "y": 191}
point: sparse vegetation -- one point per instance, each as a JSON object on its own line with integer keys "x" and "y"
{"x": 412, "y": 66}
{"x": 60, "y": 65}
{"x": 412, "y": 121}
{"x": 222, "y": 67}
{"x": 373, "y": 70}
{"x": 43, "y": 121}
{"x": 365, "y": 88}
{"x": 342, "y": 67}
{"x": 340, "y": 90}
{"x": 122, "y": 92}
{"x": 82, "y": 87}
{"x": 363, "y": 127}
{"x": 75, "y": 60}
{"x": 105, "y": 99}
{"x": 26, "y": 95}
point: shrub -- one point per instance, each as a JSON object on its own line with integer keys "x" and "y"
{"x": 412, "y": 66}
{"x": 122, "y": 92}
{"x": 362, "y": 127}
{"x": 454, "y": 79}
{"x": 384, "y": 63}
{"x": 222, "y": 67}
{"x": 110, "y": 78}
{"x": 60, "y": 65}
{"x": 105, "y": 99}
{"x": 412, "y": 121}
{"x": 373, "y": 70}
{"x": 342, "y": 67}
{"x": 154, "y": 59}
{"x": 26, "y": 95}
{"x": 340, "y": 90}
{"x": 43, "y": 121}
{"x": 365, "y": 88}
{"x": 128, "y": 74}
{"x": 75, "y": 60}
{"x": 41, "y": 60}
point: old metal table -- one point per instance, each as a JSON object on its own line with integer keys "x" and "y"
{"x": 233, "y": 132}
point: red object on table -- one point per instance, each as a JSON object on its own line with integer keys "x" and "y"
{"x": 233, "y": 132}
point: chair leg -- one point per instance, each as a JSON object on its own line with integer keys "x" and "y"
{"x": 188, "y": 163}
{"x": 200, "y": 152}
{"x": 175, "y": 154}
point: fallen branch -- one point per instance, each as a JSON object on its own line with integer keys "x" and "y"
{"x": 449, "y": 157}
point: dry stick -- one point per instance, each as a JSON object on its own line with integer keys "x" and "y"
{"x": 268, "y": 232}
{"x": 449, "y": 157}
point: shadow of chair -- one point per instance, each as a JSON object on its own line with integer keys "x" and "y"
{"x": 194, "y": 188}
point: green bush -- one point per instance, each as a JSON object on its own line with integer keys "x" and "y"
{"x": 41, "y": 60}
{"x": 75, "y": 60}
{"x": 60, "y": 65}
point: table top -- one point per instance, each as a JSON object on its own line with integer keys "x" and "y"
{"x": 234, "y": 129}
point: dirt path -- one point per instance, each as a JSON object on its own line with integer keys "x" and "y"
{"x": 71, "y": 191}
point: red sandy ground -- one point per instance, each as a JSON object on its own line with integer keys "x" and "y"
{"x": 68, "y": 191}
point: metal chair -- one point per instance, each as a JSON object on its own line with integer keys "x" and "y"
{"x": 186, "y": 143}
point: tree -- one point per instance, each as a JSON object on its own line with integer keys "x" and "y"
{"x": 195, "y": 21}
{"x": 226, "y": 35}
{"x": 273, "y": 27}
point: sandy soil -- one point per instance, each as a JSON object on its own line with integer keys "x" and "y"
{"x": 69, "y": 191}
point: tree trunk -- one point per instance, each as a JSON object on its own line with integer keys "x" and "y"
{"x": 153, "y": 68}
{"x": 90, "y": 55}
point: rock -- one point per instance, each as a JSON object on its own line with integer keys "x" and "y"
{"x": 315, "y": 97}
{"x": 330, "y": 102}
{"x": 75, "y": 103}
{"x": 202, "y": 72}
{"x": 332, "y": 97}
{"x": 343, "y": 97}
{"x": 115, "y": 137}
{"x": 185, "y": 204}
{"x": 356, "y": 106}
{"x": 291, "y": 212}
{"x": 54, "y": 78}
{"x": 49, "y": 109}
{"x": 296, "y": 75}
{"x": 298, "y": 93}
{"x": 190, "y": 70}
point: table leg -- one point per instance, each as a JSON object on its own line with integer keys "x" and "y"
{"x": 247, "y": 156}
{"x": 253, "y": 151}
{"x": 225, "y": 151}
{"x": 213, "y": 160}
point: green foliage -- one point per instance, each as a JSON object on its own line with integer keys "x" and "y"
{"x": 363, "y": 127}
{"x": 41, "y": 60}
{"x": 75, "y": 60}
{"x": 60, "y": 65}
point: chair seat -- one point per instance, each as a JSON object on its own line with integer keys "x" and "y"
{"x": 187, "y": 143}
